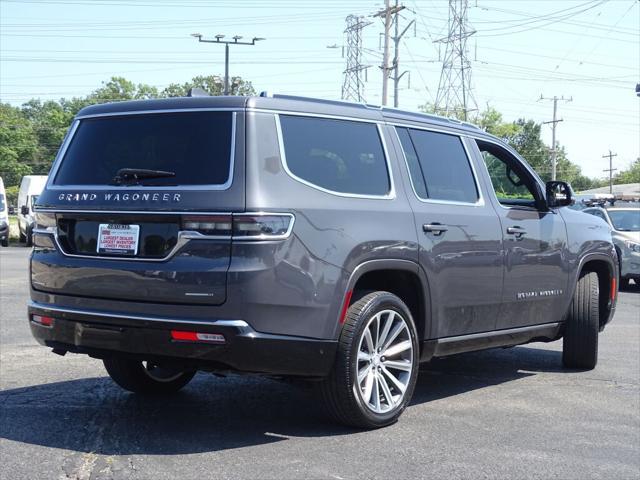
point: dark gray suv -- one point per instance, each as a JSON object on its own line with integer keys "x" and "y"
{"x": 339, "y": 243}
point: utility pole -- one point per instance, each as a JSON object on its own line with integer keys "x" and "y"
{"x": 353, "y": 85}
{"x": 386, "y": 14}
{"x": 396, "y": 57}
{"x": 455, "y": 94}
{"x": 610, "y": 169}
{"x": 554, "y": 122}
{"x": 226, "y": 43}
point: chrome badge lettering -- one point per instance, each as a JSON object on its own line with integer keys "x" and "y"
{"x": 540, "y": 293}
{"x": 121, "y": 197}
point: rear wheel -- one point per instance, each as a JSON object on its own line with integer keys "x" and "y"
{"x": 5, "y": 242}
{"x": 376, "y": 364}
{"x": 580, "y": 342}
{"x": 146, "y": 377}
{"x": 23, "y": 237}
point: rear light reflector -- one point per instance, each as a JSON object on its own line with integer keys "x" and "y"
{"x": 183, "y": 336}
{"x": 345, "y": 306}
{"x": 614, "y": 288}
{"x": 42, "y": 320}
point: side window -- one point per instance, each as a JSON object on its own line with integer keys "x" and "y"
{"x": 512, "y": 184}
{"x": 438, "y": 166}
{"x": 338, "y": 155}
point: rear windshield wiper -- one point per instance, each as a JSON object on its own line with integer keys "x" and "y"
{"x": 132, "y": 176}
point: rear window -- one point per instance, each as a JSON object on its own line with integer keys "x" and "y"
{"x": 338, "y": 155}
{"x": 196, "y": 146}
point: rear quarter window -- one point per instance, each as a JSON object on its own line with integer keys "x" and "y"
{"x": 341, "y": 156}
{"x": 196, "y": 146}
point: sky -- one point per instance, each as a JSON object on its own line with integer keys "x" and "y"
{"x": 587, "y": 52}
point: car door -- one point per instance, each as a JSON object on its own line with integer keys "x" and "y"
{"x": 535, "y": 241}
{"x": 459, "y": 234}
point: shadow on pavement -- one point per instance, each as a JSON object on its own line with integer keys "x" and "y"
{"x": 210, "y": 414}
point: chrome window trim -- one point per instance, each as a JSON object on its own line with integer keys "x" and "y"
{"x": 184, "y": 236}
{"x": 478, "y": 203}
{"x": 218, "y": 323}
{"x": 126, "y": 212}
{"x": 315, "y": 115}
{"x": 204, "y": 187}
{"x": 522, "y": 162}
{"x": 391, "y": 194}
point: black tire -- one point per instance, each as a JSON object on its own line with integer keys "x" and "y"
{"x": 22, "y": 237}
{"x": 624, "y": 283}
{"x": 341, "y": 393}
{"x": 29, "y": 238}
{"x": 580, "y": 342}
{"x": 5, "y": 242}
{"x": 134, "y": 376}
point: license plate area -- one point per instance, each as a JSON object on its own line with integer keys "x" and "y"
{"x": 118, "y": 239}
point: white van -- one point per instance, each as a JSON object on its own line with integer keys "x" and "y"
{"x": 30, "y": 189}
{"x": 4, "y": 217}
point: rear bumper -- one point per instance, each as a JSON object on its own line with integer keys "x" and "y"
{"x": 107, "y": 334}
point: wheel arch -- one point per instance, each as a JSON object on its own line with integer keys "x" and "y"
{"x": 404, "y": 279}
{"x": 607, "y": 270}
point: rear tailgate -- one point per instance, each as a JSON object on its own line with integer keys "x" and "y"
{"x": 161, "y": 240}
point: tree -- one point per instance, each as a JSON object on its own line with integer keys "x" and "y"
{"x": 18, "y": 144}
{"x": 212, "y": 84}
{"x": 631, "y": 175}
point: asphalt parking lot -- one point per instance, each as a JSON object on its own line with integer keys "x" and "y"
{"x": 508, "y": 413}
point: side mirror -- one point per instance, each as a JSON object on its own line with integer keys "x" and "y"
{"x": 24, "y": 210}
{"x": 559, "y": 194}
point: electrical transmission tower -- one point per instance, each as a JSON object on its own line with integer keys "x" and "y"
{"x": 455, "y": 96}
{"x": 353, "y": 84}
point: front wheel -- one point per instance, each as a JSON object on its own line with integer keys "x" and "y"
{"x": 5, "y": 242}
{"x": 580, "y": 341}
{"x": 376, "y": 364}
{"x": 146, "y": 377}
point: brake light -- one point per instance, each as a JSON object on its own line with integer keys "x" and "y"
{"x": 270, "y": 226}
{"x": 241, "y": 226}
{"x": 183, "y": 336}
{"x": 42, "y": 320}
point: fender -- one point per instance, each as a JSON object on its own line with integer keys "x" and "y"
{"x": 396, "y": 264}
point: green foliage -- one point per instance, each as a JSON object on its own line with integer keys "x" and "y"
{"x": 212, "y": 84}
{"x": 18, "y": 145}
{"x": 12, "y": 194}
{"x": 632, "y": 175}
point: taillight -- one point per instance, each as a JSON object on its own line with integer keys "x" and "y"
{"x": 262, "y": 227}
{"x": 185, "y": 336}
{"x": 42, "y": 320}
{"x": 214, "y": 225}
{"x": 241, "y": 226}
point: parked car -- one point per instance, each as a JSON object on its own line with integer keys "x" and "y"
{"x": 30, "y": 187}
{"x": 4, "y": 216}
{"x": 322, "y": 240}
{"x": 625, "y": 226}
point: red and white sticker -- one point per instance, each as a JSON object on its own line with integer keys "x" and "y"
{"x": 119, "y": 239}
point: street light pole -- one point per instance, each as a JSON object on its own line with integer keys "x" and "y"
{"x": 235, "y": 41}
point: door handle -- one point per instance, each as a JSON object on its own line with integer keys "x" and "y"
{"x": 435, "y": 228}
{"x": 517, "y": 231}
